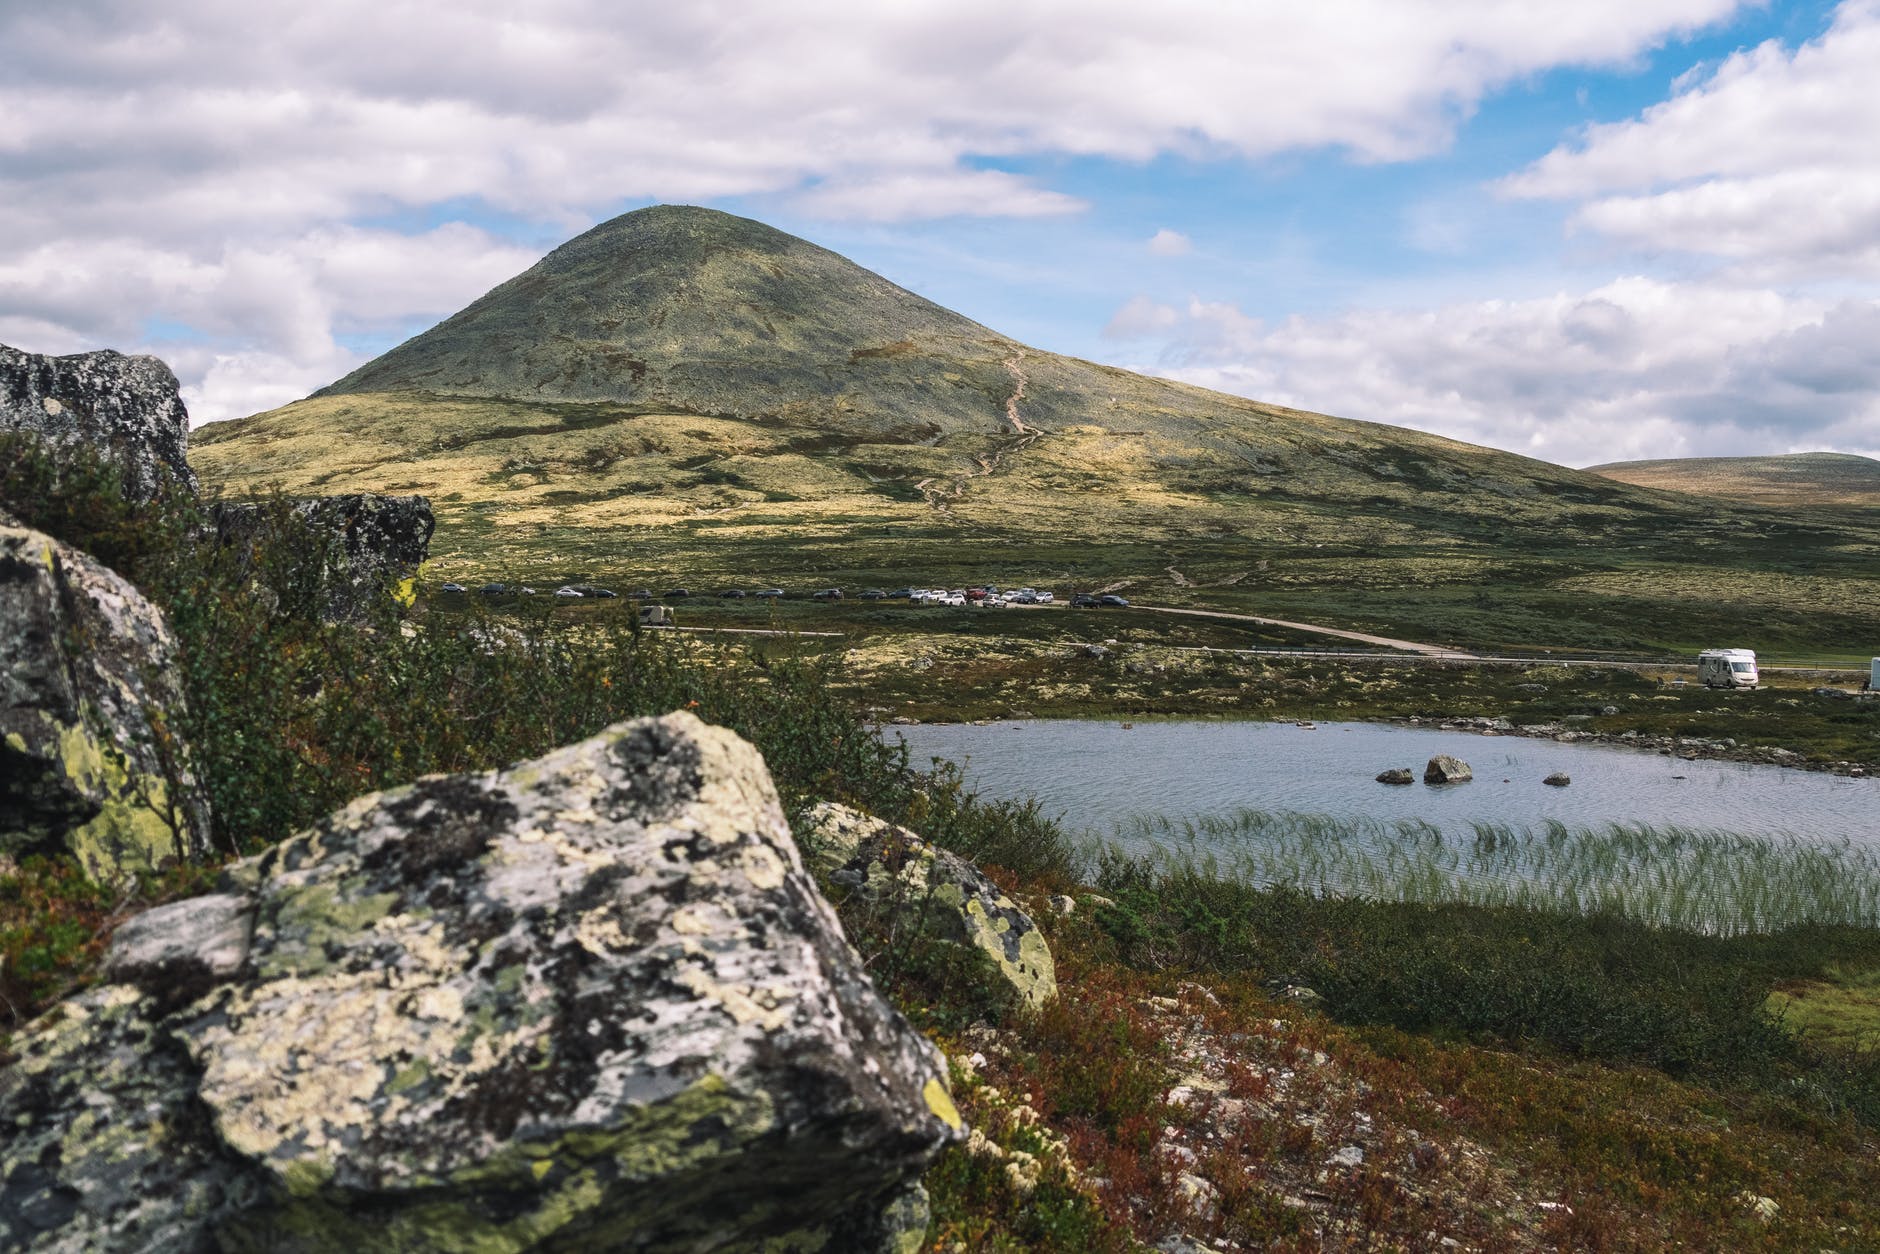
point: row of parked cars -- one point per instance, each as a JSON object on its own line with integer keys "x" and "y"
{"x": 989, "y": 597}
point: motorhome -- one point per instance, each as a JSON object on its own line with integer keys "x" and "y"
{"x": 1727, "y": 668}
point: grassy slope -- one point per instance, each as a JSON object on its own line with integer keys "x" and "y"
{"x": 680, "y": 395}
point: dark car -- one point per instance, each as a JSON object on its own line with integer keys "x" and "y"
{"x": 494, "y": 590}
{"x": 826, "y": 594}
{"x": 874, "y": 594}
{"x": 679, "y": 592}
{"x": 1113, "y": 599}
{"x": 734, "y": 594}
{"x": 770, "y": 594}
{"x": 1083, "y": 601}
{"x": 902, "y": 594}
{"x": 641, "y": 594}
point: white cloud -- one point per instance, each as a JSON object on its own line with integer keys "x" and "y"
{"x": 272, "y": 308}
{"x": 1771, "y": 161}
{"x": 212, "y": 162}
{"x": 1167, "y": 243}
{"x": 1637, "y": 368}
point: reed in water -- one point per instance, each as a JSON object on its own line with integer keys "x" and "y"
{"x": 1693, "y": 878}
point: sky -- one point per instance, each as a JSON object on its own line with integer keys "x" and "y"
{"x": 1587, "y": 232}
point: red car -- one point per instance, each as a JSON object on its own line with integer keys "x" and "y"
{"x": 975, "y": 594}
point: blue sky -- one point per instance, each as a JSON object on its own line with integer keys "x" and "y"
{"x": 1625, "y": 228}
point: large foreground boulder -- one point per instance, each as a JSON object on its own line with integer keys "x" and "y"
{"x": 592, "y": 1002}
{"x": 128, "y": 409}
{"x": 373, "y": 544}
{"x": 90, "y": 762}
{"x": 940, "y": 893}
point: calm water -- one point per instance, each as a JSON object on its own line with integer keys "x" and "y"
{"x": 1097, "y": 775}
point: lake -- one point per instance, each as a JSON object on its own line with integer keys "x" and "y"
{"x": 1098, "y": 776}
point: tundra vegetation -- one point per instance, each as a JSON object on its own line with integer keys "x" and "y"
{"x": 1541, "y": 1073}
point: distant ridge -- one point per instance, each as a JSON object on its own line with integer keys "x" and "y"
{"x": 1784, "y": 479}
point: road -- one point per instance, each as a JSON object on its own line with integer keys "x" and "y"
{"x": 1382, "y": 642}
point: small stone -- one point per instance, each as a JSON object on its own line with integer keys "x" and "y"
{"x": 1062, "y": 905}
{"x": 1559, "y": 779}
{"x": 1347, "y": 1156}
{"x": 1397, "y": 775}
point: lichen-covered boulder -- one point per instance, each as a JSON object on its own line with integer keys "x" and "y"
{"x": 374, "y": 545}
{"x": 592, "y": 1002}
{"x": 1444, "y": 769}
{"x": 89, "y": 759}
{"x": 128, "y": 409}
{"x": 943, "y": 892}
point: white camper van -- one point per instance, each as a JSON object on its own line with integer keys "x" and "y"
{"x": 1727, "y": 668}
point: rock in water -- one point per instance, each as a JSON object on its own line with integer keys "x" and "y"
{"x": 948, "y": 895}
{"x": 1396, "y": 775}
{"x": 375, "y": 544}
{"x": 129, "y": 409}
{"x": 592, "y": 1002}
{"x": 1443, "y": 769}
{"x": 89, "y": 760}
{"x": 1559, "y": 779}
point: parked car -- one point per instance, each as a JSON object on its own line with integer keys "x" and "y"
{"x": 1083, "y": 601}
{"x": 826, "y": 594}
{"x": 874, "y": 594}
{"x": 1043, "y": 598}
{"x": 452, "y": 587}
{"x": 975, "y": 594}
{"x": 1113, "y": 599}
{"x": 494, "y": 590}
{"x": 1024, "y": 596}
{"x": 589, "y": 590}
{"x": 641, "y": 594}
{"x": 734, "y": 594}
{"x": 679, "y": 592}
{"x": 566, "y": 591}
{"x": 904, "y": 594}
{"x": 770, "y": 594}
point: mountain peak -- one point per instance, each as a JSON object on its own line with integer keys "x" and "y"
{"x": 691, "y": 309}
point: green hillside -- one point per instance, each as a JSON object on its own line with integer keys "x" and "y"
{"x": 683, "y": 395}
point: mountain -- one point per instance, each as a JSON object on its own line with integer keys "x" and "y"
{"x": 1789, "y": 479}
{"x": 681, "y": 394}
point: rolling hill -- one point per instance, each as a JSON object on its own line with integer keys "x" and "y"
{"x": 683, "y": 394}
{"x": 1789, "y": 479}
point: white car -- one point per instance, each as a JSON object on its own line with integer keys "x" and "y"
{"x": 565, "y": 591}
{"x": 1041, "y": 598}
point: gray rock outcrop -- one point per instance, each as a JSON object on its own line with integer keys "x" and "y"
{"x": 129, "y": 409}
{"x": 1443, "y": 769}
{"x": 944, "y": 894}
{"x": 592, "y": 1002}
{"x": 375, "y": 545}
{"x": 89, "y": 759}
{"x": 1396, "y": 775}
{"x": 1559, "y": 779}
